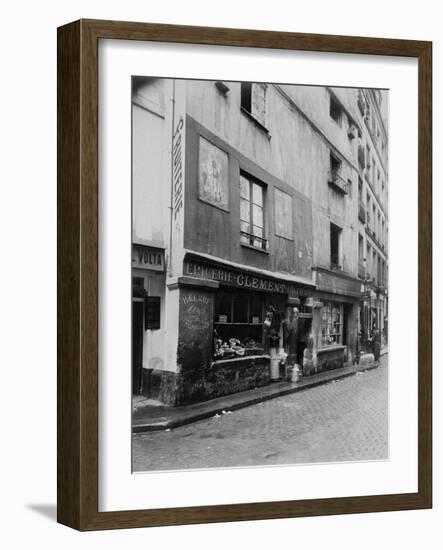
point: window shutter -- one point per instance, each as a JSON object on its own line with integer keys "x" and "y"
{"x": 259, "y": 102}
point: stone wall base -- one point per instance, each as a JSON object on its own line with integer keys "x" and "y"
{"x": 218, "y": 379}
{"x": 329, "y": 360}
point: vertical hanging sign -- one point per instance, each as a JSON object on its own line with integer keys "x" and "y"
{"x": 178, "y": 156}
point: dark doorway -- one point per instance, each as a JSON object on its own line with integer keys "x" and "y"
{"x": 346, "y": 312}
{"x": 137, "y": 346}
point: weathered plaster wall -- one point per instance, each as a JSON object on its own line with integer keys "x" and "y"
{"x": 296, "y": 153}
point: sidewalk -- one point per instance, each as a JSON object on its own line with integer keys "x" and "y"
{"x": 148, "y": 417}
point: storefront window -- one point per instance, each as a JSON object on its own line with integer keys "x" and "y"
{"x": 240, "y": 307}
{"x": 332, "y": 324}
{"x": 239, "y": 318}
{"x": 223, "y": 307}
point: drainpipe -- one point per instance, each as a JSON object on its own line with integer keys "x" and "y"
{"x": 171, "y": 208}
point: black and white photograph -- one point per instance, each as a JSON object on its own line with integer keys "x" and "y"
{"x": 260, "y": 262}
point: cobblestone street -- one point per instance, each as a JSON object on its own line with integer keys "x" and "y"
{"x": 344, "y": 420}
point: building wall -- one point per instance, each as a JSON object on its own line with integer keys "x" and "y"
{"x": 153, "y": 115}
{"x": 216, "y": 232}
{"x": 374, "y": 199}
{"x": 288, "y": 150}
{"x": 150, "y": 153}
{"x": 293, "y": 153}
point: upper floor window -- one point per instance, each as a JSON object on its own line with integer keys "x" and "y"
{"x": 335, "y": 177}
{"x": 253, "y": 100}
{"x": 373, "y": 172}
{"x": 252, "y": 212}
{"x": 368, "y": 157}
{"x": 335, "y": 232}
{"x": 335, "y": 109}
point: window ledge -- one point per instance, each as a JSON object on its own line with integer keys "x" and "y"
{"x": 252, "y": 118}
{"x": 256, "y": 248}
{"x": 284, "y": 237}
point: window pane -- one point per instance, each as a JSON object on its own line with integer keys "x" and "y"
{"x": 255, "y": 308}
{"x": 244, "y": 210}
{"x": 241, "y": 308}
{"x": 244, "y": 187}
{"x": 257, "y": 194}
{"x": 257, "y": 215}
{"x": 223, "y": 307}
{"x": 258, "y": 232}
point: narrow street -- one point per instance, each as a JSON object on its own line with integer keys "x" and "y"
{"x": 345, "y": 420}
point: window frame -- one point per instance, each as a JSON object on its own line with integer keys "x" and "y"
{"x": 248, "y": 109}
{"x": 264, "y": 247}
{"x": 326, "y": 315}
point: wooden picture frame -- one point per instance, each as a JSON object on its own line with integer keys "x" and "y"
{"x": 78, "y": 274}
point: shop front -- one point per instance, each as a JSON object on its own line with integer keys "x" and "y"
{"x": 148, "y": 297}
{"x": 224, "y": 341}
{"x": 335, "y": 321}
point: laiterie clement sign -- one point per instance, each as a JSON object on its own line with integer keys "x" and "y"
{"x": 239, "y": 279}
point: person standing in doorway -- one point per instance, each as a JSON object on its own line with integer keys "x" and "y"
{"x": 291, "y": 330}
{"x": 271, "y": 333}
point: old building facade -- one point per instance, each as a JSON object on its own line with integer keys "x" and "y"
{"x": 246, "y": 196}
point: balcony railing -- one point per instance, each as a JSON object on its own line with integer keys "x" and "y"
{"x": 253, "y": 240}
{"x": 339, "y": 184}
{"x": 335, "y": 263}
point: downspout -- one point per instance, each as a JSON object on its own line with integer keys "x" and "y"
{"x": 171, "y": 208}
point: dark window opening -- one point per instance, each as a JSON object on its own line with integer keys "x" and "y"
{"x": 253, "y": 101}
{"x": 152, "y": 312}
{"x": 246, "y": 96}
{"x": 335, "y": 164}
{"x": 335, "y": 110}
{"x": 335, "y": 246}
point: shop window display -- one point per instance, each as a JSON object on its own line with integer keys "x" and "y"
{"x": 332, "y": 324}
{"x": 238, "y": 324}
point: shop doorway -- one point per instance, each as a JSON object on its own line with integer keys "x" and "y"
{"x": 138, "y": 307}
{"x": 137, "y": 345}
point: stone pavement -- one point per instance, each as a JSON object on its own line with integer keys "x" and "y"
{"x": 343, "y": 420}
{"x": 151, "y": 416}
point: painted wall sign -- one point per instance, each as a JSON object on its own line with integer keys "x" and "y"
{"x": 194, "y": 311}
{"x": 338, "y": 285}
{"x": 195, "y": 332}
{"x": 213, "y": 186}
{"x": 147, "y": 257}
{"x": 283, "y": 214}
